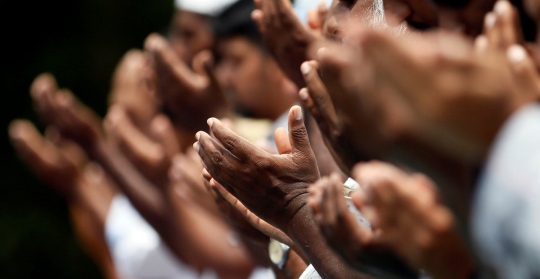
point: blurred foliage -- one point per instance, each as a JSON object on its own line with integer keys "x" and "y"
{"x": 80, "y": 42}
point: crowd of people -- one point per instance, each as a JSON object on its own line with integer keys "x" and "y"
{"x": 357, "y": 139}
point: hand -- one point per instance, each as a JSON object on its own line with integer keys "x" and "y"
{"x": 412, "y": 220}
{"x": 58, "y": 162}
{"x": 62, "y": 110}
{"x": 185, "y": 175}
{"x": 150, "y": 154}
{"x": 359, "y": 246}
{"x": 251, "y": 218}
{"x": 189, "y": 97}
{"x": 502, "y": 32}
{"x": 287, "y": 38}
{"x": 274, "y": 187}
{"x": 338, "y": 130}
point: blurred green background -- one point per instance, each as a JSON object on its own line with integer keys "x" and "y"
{"x": 80, "y": 42}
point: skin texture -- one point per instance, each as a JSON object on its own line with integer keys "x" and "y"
{"x": 407, "y": 206}
{"x": 164, "y": 210}
{"x": 250, "y": 173}
{"x": 63, "y": 166}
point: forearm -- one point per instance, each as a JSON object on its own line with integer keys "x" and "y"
{"x": 304, "y": 231}
{"x": 185, "y": 231}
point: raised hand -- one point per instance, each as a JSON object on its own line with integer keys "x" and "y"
{"x": 58, "y": 162}
{"x": 356, "y": 243}
{"x": 288, "y": 39}
{"x": 151, "y": 156}
{"x": 63, "y": 111}
{"x": 250, "y": 173}
{"x": 407, "y": 207}
{"x": 337, "y": 129}
{"x": 189, "y": 97}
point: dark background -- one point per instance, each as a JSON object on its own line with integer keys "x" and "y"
{"x": 80, "y": 42}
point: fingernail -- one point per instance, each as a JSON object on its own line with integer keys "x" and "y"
{"x": 297, "y": 113}
{"x": 303, "y": 94}
{"x": 196, "y": 147}
{"x": 305, "y": 68}
{"x": 321, "y": 52}
{"x": 210, "y": 122}
{"x": 198, "y": 135}
{"x": 516, "y": 53}
{"x": 502, "y": 7}
{"x": 481, "y": 44}
{"x": 490, "y": 20}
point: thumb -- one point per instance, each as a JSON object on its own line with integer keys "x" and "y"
{"x": 298, "y": 135}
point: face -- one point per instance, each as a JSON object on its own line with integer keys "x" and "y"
{"x": 190, "y": 33}
{"x": 248, "y": 75}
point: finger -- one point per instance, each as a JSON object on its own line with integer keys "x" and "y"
{"x": 491, "y": 32}
{"x": 314, "y": 21}
{"x": 298, "y": 135}
{"x": 523, "y": 70}
{"x": 42, "y": 91}
{"x": 258, "y": 4}
{"x": 238, "y": 146}
{"x": 282, "y": 141}
{"x": 258, "y": 17}
{"x": 508, "y": 23}
{"x": 319, "y": 93}
{"x": 31, "y": 147}
{"x": 328, "y": 204}
{"x": 164, "y": 133}
{"x": 218, "y": 161}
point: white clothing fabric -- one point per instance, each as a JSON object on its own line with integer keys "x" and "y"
{"x": 506, "y": 211}
{"x": 204, "y": 7}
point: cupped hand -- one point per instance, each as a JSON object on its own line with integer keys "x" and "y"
{"x": 287, "y": 38}
{"x": 355, "y": 242}
{"x": 62, "y": 110}
{"x": 57, "y": 161}
{"x": 188, "y": 96}
{"x": 412, "y": 220}
{"x": 274, "y": 187}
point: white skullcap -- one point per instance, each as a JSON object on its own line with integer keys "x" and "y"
{"x": 204, "y": 7}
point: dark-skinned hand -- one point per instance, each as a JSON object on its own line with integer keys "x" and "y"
{"x": 407, "y": 207}
{"x": 251, "y": 174}
{"x": 189, "y": 96}
{"x": 357, "y": 244}
{"x": 287, "y": 38}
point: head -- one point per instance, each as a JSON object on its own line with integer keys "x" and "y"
{"x": 248, "y": 73}
{"x": 252, "y": 79}
{"x": 370, "y": 11}
{"x": 189, "y": 34}
{"x": 128, "y": 89}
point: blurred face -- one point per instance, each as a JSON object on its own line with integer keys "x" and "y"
{"x": 248, "y": 76}
{"x": 190, "y": 33}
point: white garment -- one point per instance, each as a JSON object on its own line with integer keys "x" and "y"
{"x": 139, "y": 252}
{"x": 301, "y": 7}
{"x": 506, "y": 212}
{"x": 204, "y": 7}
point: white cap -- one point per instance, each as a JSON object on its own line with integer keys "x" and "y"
{"x": 204, "y": 7}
